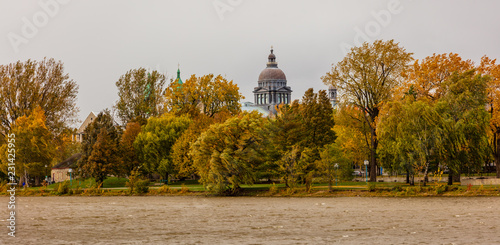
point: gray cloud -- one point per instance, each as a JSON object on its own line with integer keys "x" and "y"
{"x": 100, "y": 40}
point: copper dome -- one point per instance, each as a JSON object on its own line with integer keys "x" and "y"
{"x": 272, "y": 73}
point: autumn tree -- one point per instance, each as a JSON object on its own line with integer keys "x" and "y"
{"x": 226, "y": 154}
{"x": 34, "y": 148}
{"x": 366, "y": 77}
{"x": 282, "y": 132}
{"x": 411, "y": 136}
{"x": 207, "y": 94}
{"x": 181, "y": 158}
{"x": 426, "y": 76}
{"x": 334, "y": 165}
{"x": 65, "y": 146}
{"x": 154, "y": 143}
{"x": 27, "y": 85}
{"x": 490, "y": 68}
{"x": 104, "y": 158}
{"x": 129, "y": 160}
{"x": 466, "y": 123}
{"x": 140, "y": 94}
{"x": 104, "y": 127}
{"x": 352, "y": 133}
{"x": 316, "y": 113}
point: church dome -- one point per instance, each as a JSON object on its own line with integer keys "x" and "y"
{"x": 272, "y": 72}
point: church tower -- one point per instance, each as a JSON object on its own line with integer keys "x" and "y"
{"x": 272, "y": 87}
{"x": 332, "y": 94}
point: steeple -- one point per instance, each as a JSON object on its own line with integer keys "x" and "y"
{"x": 179, "y": 80}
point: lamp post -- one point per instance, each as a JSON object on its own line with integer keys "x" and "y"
{"x": 336, "y": 169}
{"x": 70, "y": 179}
{"x": 46, "y": 179}
{"x": 366, "y": 170}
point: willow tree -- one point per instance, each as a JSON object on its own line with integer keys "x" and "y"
{"x": 140, "y": 95}
{"x": 366, "y": 78}
{"x": 227, "y": 154}
{"x": 466, "y": 123}
{"x": 26, "y": 85}
{"x": 411, "y": 135}
{"x": 491, "y": 68}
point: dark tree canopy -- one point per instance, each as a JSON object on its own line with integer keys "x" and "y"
{"x": 109, "y": 133}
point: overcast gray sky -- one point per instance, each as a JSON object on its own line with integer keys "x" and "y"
{"x": 98, "y": 41}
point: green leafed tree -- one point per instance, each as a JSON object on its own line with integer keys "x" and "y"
{"x": 154, "y": 143}
{"x": 366, "y": 78}
{"x": 463, "y": 106}
{"x": 334, "y": 165}
{"x": 140, "y": 95}
{"x": 227, "y": 154}
{"x": 411, "y": 136}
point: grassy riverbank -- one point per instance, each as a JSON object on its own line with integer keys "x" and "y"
{"x": 116, "y": 187}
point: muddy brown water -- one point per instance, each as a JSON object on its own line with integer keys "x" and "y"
{"x": 253, "y": 220}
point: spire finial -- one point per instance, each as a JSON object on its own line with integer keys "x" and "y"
{"x": 271, "y": 49}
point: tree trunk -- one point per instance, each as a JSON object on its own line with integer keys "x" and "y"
{"x": 426, "y": 174}
{"x": 450, "y": 178}
{"x": 330, "y": 189}
{"x": 497, "y": 154}
{"x": 456, "y": 177}
{"x": 407, "y": 176}
{"x": 373, "y": 158}
{"x": 37, "y": 180}
{"x": 26, "y": 179}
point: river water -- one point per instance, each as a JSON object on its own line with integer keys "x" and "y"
{"x": 253, "y": 220}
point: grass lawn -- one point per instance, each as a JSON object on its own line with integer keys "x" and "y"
{"x": 116, "y": 186}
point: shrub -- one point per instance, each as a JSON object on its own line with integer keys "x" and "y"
{"x": 132, "y": 179}
{"x": 94, "y": 190}
{"x": 397, "y": 188}
{"x": 164, "y": 189}
{"x": 273, "y": 189}
{"x": 63, "y": 188}
{"x": 371, "y": 187}
{"x": 141, "y": 186}
{"x": 184, "y": 189}
{"x": 441, "y": 188}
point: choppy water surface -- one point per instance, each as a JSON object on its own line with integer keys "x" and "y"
{"x": 244, "y": 220}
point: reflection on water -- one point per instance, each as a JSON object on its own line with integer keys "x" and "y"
{"x": 244, "y": 220}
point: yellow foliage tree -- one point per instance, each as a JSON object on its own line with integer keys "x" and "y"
{"x": 34, "y": 146}
{"x": 367, "y": 77}
{"x": 426, "y": 76}
{"x": 209, "y": 95}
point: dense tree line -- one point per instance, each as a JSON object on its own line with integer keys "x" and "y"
{"x": 409, "y": 117}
